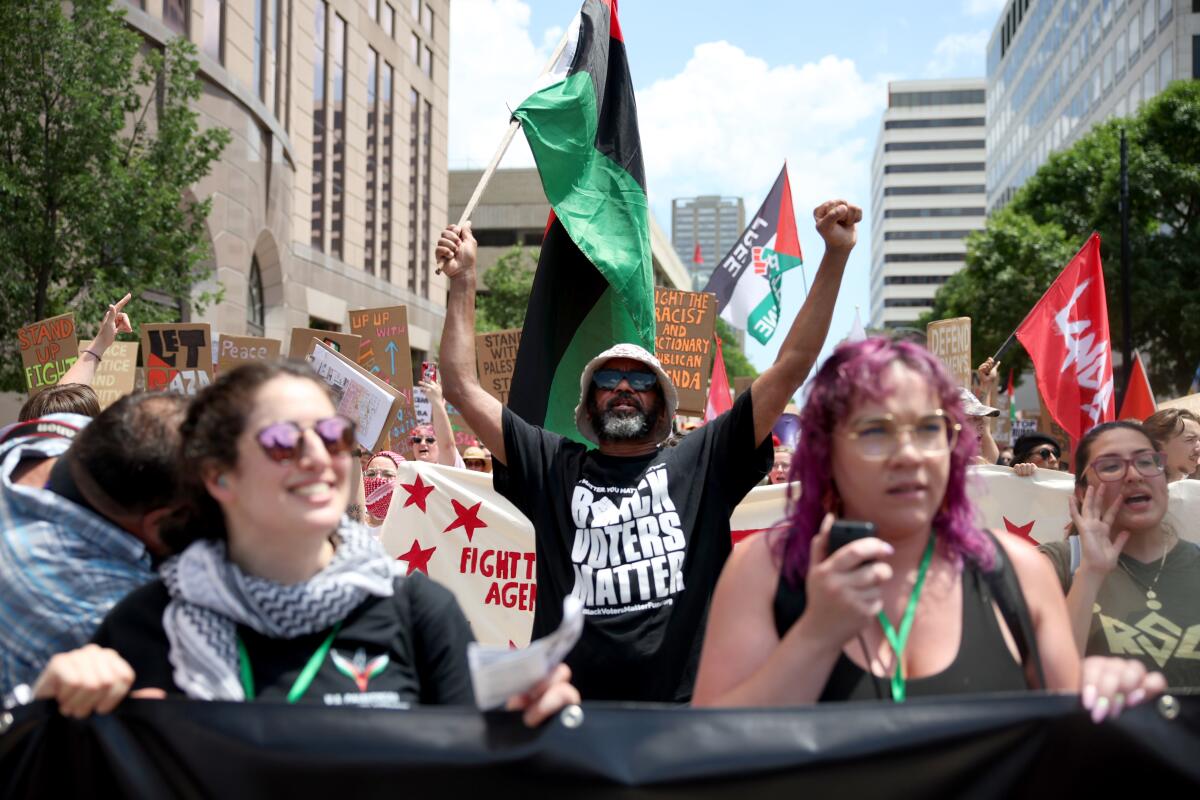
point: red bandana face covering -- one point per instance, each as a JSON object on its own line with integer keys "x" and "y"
{"x": 379, "y": 495}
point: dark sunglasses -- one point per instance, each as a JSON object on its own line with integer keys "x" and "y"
{"x": 427, "y": 440}
{"x": 639, "y": 380}
{"x": 1045, "y": 452}
{"x": 284, "y": 441}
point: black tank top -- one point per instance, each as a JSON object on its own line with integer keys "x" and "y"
{"x": 983, "y": 662}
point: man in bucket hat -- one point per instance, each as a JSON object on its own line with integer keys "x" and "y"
{"x": 637, "y": 531}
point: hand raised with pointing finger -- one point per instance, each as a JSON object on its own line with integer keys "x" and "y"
{"x": 836, "y": 221}
{"x": 115, "y": 321}
{"x": 456, "y": 250}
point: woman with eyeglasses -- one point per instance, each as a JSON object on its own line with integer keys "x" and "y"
{"x": 274, "y": 594}
{"x": 1132, "y": 585}
{"x": 434, "y": 444}
{"x": 379, "y": 477}
{"x": 928, "y": 605}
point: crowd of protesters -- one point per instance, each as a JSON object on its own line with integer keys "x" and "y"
{"x": 223, "y": 548}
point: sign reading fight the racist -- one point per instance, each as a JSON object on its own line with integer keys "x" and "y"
{"x": 115, "y": 375}
{"x": 48, "y": 349}
{"x": 950, "y": 340}
{"x": 684, "y": 341}
{"x": 233, "y": 351}
{"x": 301, "y": 345}
{"x": 177, "y": 357}
{"x": 495, "y": 357}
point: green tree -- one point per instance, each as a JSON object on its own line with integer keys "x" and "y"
{"x": 501, "y": 306}
{"x": 1077, "y": 191}
{"x": 736, "y": 363}
{"x": 99, "y": 146}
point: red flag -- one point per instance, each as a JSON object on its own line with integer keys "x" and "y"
{"x": 1067, "y": 337}
{"x": 1139, "y": 400}
{"x": 697, "y": 256}
{"x": 718, "y": 388}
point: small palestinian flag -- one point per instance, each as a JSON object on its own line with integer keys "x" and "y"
{"x": 749, "y": 279}
{"x": 594, "y": 284}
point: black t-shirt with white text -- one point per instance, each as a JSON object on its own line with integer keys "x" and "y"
{"x": 391, "y": 652}
{"x": 639, "y": 540}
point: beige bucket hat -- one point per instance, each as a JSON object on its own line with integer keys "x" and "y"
{"x": 631, "y": 351}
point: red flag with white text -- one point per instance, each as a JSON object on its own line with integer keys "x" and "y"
{"x": 718, "y": 389}
{"x": 1067, "y": 337}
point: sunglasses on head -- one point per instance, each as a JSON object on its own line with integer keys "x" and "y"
{"x": 284, "y": 441}
{"x": 638, "y": 380}
{"x": 426, "y": 439}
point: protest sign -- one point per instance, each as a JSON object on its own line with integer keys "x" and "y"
{"x": 177, "y": 356}
{"x": 358, "y": 394}
{"x": 116, "y": 374}
{"x": 495, "y": 357}
{"x": 423, "y": 415}
{"x": 950, "y": 340}
{"x": 48, "y": 349}
{"x": 683, "y": 342}
{"x": 1002, "y": 425}
{"x": 1189, "y": 402}
{"x": 233, "y": 351}
{"x": 344, "y": 343}
{"x": 1023, "y": 427}
{"x": 384, "y": 352}
{"x": 740, "y": 385}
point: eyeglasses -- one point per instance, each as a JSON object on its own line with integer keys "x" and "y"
{"x": 379, "y": 473}
{"x": 427, "y": 440}
{"x": 473, "y": 463}
{"x": 284, "y": 441}
{"x": 880, "y": 437}
{"x": 1113, "y": 468}
{"x": 638, "y": 380}
{"x": 1045, "y": 453}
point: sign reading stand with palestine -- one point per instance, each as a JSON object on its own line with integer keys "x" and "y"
{"x": 48, "y": 349}
{"x": 950, "y": 340}
{"x": 684, "y": 343}
{"x": 115, "y": 375}
{"x": 495, "y": 357}
{"x": 177, "y": 357}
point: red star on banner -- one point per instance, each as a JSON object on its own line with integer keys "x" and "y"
{"x": 468, "y": 518}
{"x": 417, "y": 558}
{"x": 1021, "y": 530}
{"x": 418, "y": 493}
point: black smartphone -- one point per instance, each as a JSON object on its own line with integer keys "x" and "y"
{"x": 845, "y": 531}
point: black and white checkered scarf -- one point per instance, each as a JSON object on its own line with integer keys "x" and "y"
{"x": 211, "y": 596}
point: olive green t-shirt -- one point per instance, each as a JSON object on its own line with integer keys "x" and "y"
{"x": 1163, "y": 631}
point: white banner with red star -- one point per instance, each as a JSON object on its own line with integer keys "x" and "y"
{"x": 451, "y": 525}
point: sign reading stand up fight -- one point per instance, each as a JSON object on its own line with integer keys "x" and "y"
{"x": 177, "y": 357}
{"x": 48, "y": 349}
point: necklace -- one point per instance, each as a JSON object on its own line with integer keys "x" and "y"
{"x": 1152, "y": 601}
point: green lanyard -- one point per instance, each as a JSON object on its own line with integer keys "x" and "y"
{"x": 303, "y": 681}
{"x": 898, "y": 641}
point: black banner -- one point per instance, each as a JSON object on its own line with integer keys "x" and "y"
{"x": 1028, "y": 745}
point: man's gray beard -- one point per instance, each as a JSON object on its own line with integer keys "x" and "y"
{"x": 622, "y": 426}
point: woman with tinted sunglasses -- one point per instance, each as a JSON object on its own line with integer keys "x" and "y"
{"x": 1133, "y": 586}
{"x": 274, "y": 593}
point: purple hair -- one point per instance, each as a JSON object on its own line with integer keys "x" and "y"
{"x": 850, "y": 375}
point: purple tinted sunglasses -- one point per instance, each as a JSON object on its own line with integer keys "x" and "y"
{"x": 284, "y": 441}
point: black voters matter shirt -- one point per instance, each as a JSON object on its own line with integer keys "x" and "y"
{"x": 391, "y": 652}
{"x": 639, "y": 540}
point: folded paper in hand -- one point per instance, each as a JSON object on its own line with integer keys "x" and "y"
{"x": 498, "y": 673}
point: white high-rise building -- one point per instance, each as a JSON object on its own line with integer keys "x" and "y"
{"x": 1057, "y": 67}
{"x": 927, "y": 193}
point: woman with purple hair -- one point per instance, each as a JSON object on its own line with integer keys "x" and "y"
{"x": 930, "y": 604}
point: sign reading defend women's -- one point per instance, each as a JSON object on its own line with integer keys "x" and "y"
{"x": 950, "y": 340}
{"x": 683, "y": 342}
{"x": 177, "y": 357}
{"x": 48, "y": 349}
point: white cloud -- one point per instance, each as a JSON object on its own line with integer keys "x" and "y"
{"x": 959, "y": 55}
{"x": 984, "y": 8}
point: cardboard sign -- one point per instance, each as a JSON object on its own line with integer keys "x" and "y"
{"x": 116, "y": 374}
{"x": 495, "y": 357}
{"x": 683, "y": 342}
{"x": 301, "y": 345}
{"x": 1189, "y": 402}
{"x": 1001, "y": 426}
{"x": 740, "y": 385}
{"x": 233, "y": 351}
{"x": 384, "y": 352}
{"x": 177, "y": 357}
{"x": 950, "y": 340}
{"x": 48, "y": 349}
{"x": 423, "y": 408}
{"x": 1023, "y": 427}
{"x": 358, "y": 395}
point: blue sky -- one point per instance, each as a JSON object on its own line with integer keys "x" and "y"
{"x": 728, "y": 91}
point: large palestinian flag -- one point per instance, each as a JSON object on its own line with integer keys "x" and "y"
{"x": 594, "y": 285}
{"x": 748, "y": 280}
